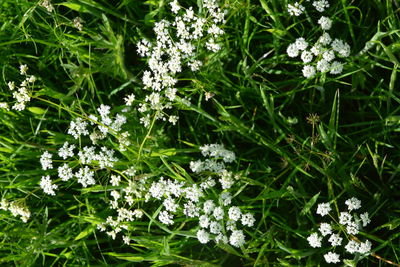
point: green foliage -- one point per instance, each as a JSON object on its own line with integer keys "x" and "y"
{"x": 298, "y": 141}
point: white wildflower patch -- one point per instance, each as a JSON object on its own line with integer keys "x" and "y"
{"x": 17, "y": 209}
{"x": 205, "y": 202}
{"x": 322, "y": 54}
{"x": 47, "y": 185}
{"x": 174, "y": 51}
{"x": 295, "y": 9}
{"x": 22, "y": 94}
{"x": 46, "y": 161}
{"x": 91, "y": 158}
{"x": 347, "y": 223}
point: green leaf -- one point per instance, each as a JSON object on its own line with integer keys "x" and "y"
{"x": 309, "y": 204}
{"x": 125, "y": 256}
{"x": 85, "y": 232}
{"x": 36, "y": 110}
{"x": 391, "y": 225}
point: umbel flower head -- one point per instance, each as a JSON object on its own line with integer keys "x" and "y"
{"x": 347, "y": 226}
{"x": 320, "y": 56}
{"x": 174, "y": 50}
{"x": 207, "y": 200}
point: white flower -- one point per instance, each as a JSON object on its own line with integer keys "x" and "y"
{"x": 308, "y": 71}
{"x": 365, "y": 219}
{"x": 231, "y": 225}
{"x": 85, "y": 176}
{"x": 32, "y": 79}
{"x": 215, "y": 228}
{"x": 218, "y": 213}
{"x": 217, "y": 151}
{"x": 325, "y": 22}
{"x": 365, "y": 247}
{"x": 46, "y": 4}
{"x": 115, "y": 179}
{"x": 314, "y": 240}
{"x": 212, "y": 46}
{"x": 46, "y": 161}
{"x": 306, "y": 56}
{"x": 193, "y": 193}
{"x": 115, "y": 194}
{"x": 226, "y": 179}
{"x": 175, "y": 6}
{"x": 352, "y": 228}
{"x": 352, "y": 247}
{"x": 353, "y": 204}
{"x": 173, "y": 119}
{"x": 129, "y": 99}
{"x": 203, "y": 236}
{"x": 208, "y": 206}
{"x": 248, "y": 219}
{"x": 221, "y": 238}
{"x": 316, "y": 49}
{"x": 292, "y": 50}
{"x": 143, "y": 48}
{"x": 190, "y": 209}
{"x": 126, "y": 239}
{"x": 323, "y": 209}
{"x": 138, "y": 213}
{"x": 11, "y": 85}
{"x": 296, "y": 9}
{"x": 204, "y": 221}
{"x": 78, "y": 23}
{"x": 345, "y": 218}
{"x": 66, "y": 151}
{"x": 323, "y": 65}
{"x": 335, "y": 240}
{"x": 23, "y": 69}
{"x": 341, "y": 47}
{"x": 301, "y": 43}
{"x": 321, "y": 5}
{"x": 208, "y": 183}
{"x": 325, "y": 39}
{"x": 87, "y": 155}
{"x": 77, "y": 128}
{"x": 328, "y": 55}
{"x": 16, "y": 209}
{"x": 47, "y": 186}
{"x": 226, "y": 198}
{"x": 331, "y": 257}
{"x": 65, "y": 172}
{"x": 336, "y": 67}
{"x": 170, "y": 204}
{"x": 237, "y": 238}
{"x": 234, "y": 213}
{"x": 165, "y": 217}
{"x": 215, "y": 30}
{"x": 325, "y": 229}
{"x": 195, "y": 65}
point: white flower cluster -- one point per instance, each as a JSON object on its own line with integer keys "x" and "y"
{"x": 47, "y": 5}
{"x": 176, "y": 45}
{"x": 349, "y": 224}
{"x": 16, "y": 208}
{"x": 203, "y": 202}
{"x": 216, "y": 152}
{"x": 320, "y": 57}
{"x": 120, "y": 201}
{"x": 296, "y": 9}
{"x": 22, "y": 93}
{"x": 78, "y": 23}
{"x": 91, "y": 158}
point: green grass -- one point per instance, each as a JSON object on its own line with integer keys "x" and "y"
{"x": 261, "y": 110}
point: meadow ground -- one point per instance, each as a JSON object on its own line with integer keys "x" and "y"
{"x": 199, "y": 133}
